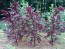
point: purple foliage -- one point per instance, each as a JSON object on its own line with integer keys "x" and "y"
{"x": 55, "y": 26}
{"x": 29, "y": 24}
{"x": 21, "y": 25}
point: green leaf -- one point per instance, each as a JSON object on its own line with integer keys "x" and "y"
{"x": 10, "y": 46}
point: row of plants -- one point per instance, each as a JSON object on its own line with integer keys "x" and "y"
{"x": 29, "y": 23}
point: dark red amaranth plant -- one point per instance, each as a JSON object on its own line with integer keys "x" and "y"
{"x": 23, "y": 25}
{"x": 55, "y": 25}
